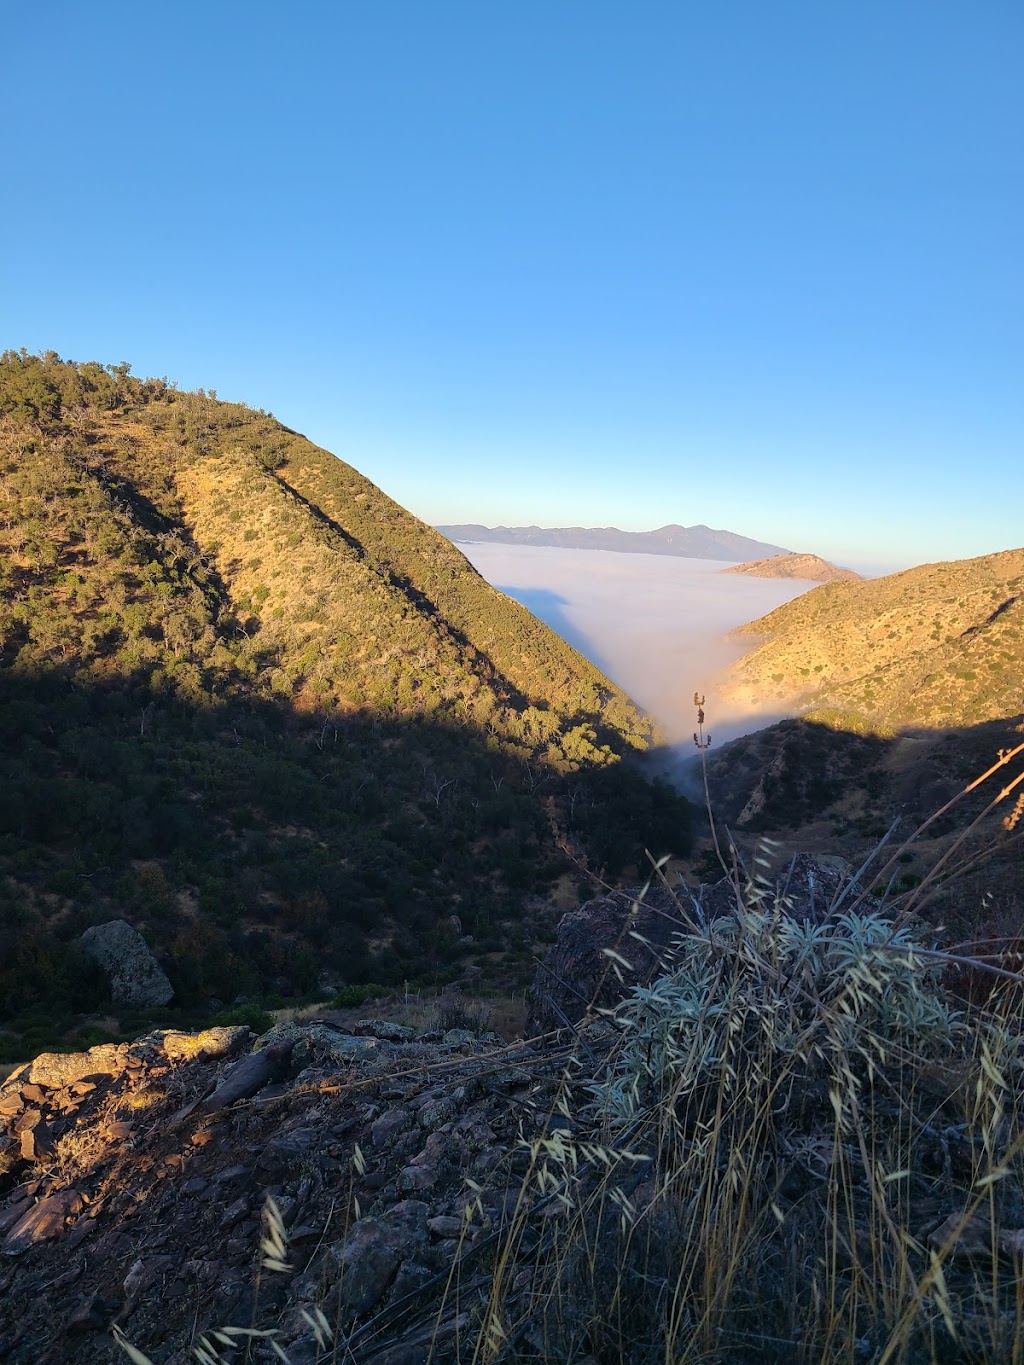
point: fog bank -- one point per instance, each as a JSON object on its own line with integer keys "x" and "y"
{"x": 653, "y": 623}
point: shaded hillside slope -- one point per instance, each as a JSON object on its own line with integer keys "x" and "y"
{"x": 261, "y": 712}
{"x": 940, "y": 645}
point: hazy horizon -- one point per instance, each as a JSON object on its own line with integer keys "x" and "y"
{"x": 654, "y": 624}
{"x": 867, "y": 568}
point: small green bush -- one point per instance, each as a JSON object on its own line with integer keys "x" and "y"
{"x": 257, "y": 1018}
{"x": 350, "y": 996}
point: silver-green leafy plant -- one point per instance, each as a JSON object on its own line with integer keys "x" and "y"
{"x": 761, "y": 989}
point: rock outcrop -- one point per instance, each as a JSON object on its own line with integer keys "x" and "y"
{"x": 603, "y": 949}
{"x": 137, "y": 980}
{"x": 615, "y": 942}
{"x": 811, "y": 567}
{"x": 134, "y": 1179}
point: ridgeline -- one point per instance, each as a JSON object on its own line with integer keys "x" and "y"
{"x": 907, "y": 688}
{"x": 259, "y": 711}
{"x": 689, "y": 542}
{"x": 938, "y": 645}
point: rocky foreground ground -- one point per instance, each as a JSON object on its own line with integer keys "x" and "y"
{"x": 136, "y": 1178}
{"x": 371, "y": 1194}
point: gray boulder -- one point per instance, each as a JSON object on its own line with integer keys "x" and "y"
{"x": 136, "y": 978}
{"x": 578, "y": 975}
{"x": 373, "y": 1250}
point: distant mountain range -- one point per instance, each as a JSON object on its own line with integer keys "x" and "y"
{"x": 811, "y": 567}
{"x": 687, "y": 542}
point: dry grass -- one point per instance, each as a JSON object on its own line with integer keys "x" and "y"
{"x": 504, "y": 1015}
{"x": 796, "y": 1146}
{"x": 769, "y": 1215}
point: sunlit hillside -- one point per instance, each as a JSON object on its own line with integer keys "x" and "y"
{"x": 938, "y": 645}
{"x": 260, "y": 711}
{"x": 907, "y": 688}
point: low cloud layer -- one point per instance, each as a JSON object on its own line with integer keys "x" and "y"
{"x": 654, "y": 624}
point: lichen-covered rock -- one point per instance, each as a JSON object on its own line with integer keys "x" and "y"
{"x": 210, "y": 1043}
{"x": 384, "y": 1029}
{"x": 318, "y": 1043}
{"x": 58, "y": 1069}
{"x": 136, "y": 978}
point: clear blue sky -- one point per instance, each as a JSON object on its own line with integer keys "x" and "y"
{"x": 567, "y": 262}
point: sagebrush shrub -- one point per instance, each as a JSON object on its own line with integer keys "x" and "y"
{"x": 757, "y": 986}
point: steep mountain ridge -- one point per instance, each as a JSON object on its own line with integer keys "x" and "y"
{"x": 363, "y": 569}
{"x": 938, "y": 645}
{"x": 506, "y": 638}
{"x": 263, "y": 714}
